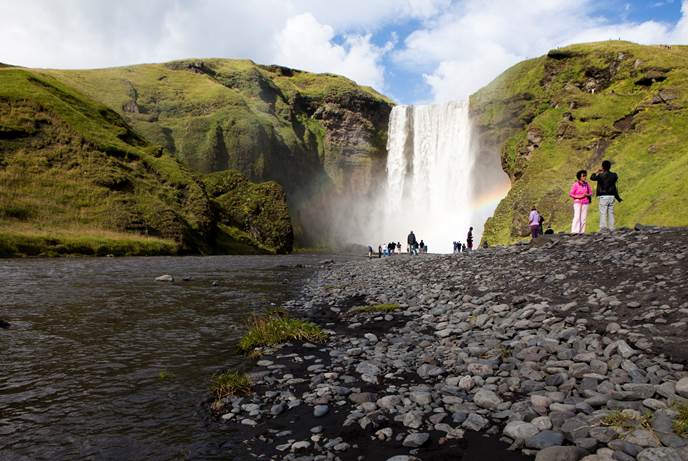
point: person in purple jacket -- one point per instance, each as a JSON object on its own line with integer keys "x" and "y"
{"x": 534, "y": 222}
{"x": 580, "y": 192}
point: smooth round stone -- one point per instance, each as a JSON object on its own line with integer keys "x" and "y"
{"x": 320, "y": 410}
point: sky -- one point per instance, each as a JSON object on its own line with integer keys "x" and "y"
{"x": 415, "y": 51}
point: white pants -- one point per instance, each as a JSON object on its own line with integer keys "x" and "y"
{"x": 580, "y": 216}
{"x": 606, "y": 212}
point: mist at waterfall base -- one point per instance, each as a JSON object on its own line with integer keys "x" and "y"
{"x": 438, "y": 182}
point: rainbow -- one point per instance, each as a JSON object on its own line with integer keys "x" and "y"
{"x": 488, "y": 201}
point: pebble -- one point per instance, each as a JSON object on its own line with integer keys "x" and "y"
{"x": 416, "y": 439}
{"x": 320, "y": 410}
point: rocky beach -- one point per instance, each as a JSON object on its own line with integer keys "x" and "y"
{"x": 566, "y": 348}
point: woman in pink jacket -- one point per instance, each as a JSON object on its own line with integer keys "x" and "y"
{"x": 580, "y": 193}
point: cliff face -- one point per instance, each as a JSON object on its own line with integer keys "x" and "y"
{"x": 569, "y": 110}
{"x": 322, "y": 137}
{"x": 73, "y": 171}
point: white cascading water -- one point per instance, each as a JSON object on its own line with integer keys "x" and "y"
{"x": 430, "y": 176}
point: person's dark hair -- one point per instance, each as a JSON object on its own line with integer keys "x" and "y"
{"x": 606, "y": 165}
{"x": 533, "y": 209}
{"x": 581, "y": 173}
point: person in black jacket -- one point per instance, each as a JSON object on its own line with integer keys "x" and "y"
{"x": 412, "y": 243}
{"x": 606, "y": 193}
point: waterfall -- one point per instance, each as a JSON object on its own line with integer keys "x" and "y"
{"x": 433, "y": 183}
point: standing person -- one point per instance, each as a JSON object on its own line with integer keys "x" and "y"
{"x": 370, "y": 252}
{"x": 411, "y": 240}
{"x": 542, "y": 222}
{"x": 422, "y": 246}
{"x": 534, "y": 223}
{"x": 580, "y": 193}
{"x": 399, "y": 247}
{"x": 379, "y": 251}
{"x": 607, "y": 193}
{"x": 469, "y": 239}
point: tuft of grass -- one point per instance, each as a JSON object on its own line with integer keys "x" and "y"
{"x": 627, "y": 422}
{"x": 681, "y": 421}
{"x": 385, "y": 308}
{"x": 230, "y": 383}
{"x": 619, "y": 419}
{"x": 268, "y": 330}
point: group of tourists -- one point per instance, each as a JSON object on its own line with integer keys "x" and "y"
{"x": 414, "y": 247}
{"x": 581, "y": 194}
{"x": 464, "y": 247}
{"x": 390, "y": 249}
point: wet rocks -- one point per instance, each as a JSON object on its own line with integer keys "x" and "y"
{"x": 533, "y": 343}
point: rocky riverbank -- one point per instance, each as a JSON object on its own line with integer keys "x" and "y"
{"x": 571, "y": 347}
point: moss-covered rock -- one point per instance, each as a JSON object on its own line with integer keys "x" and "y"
{"x": 573, "y": 108}
{"x": 260, "y": 209}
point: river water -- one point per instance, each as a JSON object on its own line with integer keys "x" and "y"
{"x": 103, "y": 362}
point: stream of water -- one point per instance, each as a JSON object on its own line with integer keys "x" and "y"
{"x": 102, "y": 362}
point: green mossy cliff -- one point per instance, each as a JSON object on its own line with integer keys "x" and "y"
{"x": 75, "y": 178}
{"x": 573, "y": 108}
{"x": 320, "y": 136}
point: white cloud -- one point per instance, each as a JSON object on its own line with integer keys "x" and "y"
{"x": 306, "y": 44}
{"x": 100, "y": 33}
{"x": 460, "y": 46}
{"x": 466, "y": 47}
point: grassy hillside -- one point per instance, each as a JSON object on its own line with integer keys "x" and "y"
{"x": 577, "y": 106}
{"x": 75, "y": 178}
{"x": 316, "y": 135}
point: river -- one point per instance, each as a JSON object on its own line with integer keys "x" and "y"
{"x": 102, "y": 362}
